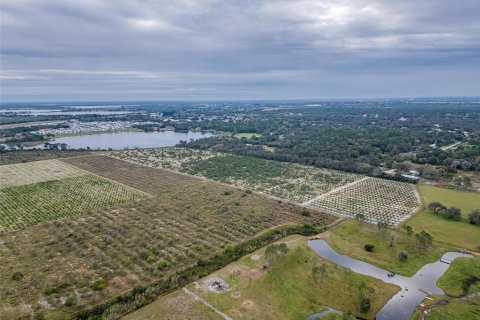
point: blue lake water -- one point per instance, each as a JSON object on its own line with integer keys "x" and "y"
{"x": 130, "y": 140}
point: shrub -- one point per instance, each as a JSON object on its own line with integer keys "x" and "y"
{"x": 163, "y": 264}
{"x": 369, "y": 247}
{"x": 436, "y": 207}
{"x": 17, "y": 276}
{"x": 365, "y": 304}
{"x": 275, "y": 251}
{"x": 50, "y": 290}
{"x": 452, "y": 213}
{"x": 99, "y": 285}
{"x": 227, "y": 193}
{"x": 403, "y": 255}
{"x": 305, "y": 213}
{"x": 70, "y": 302}
{"x": 474, "y": 217}
{"x": 423, "y": 240}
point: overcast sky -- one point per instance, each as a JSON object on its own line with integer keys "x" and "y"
{"x": 58, "y": 50}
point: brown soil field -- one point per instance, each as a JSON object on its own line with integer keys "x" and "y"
{"x": 69, "y": 264}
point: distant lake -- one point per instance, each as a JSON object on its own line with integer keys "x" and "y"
{"x": 130, "y": 140}
{"x": 60, "y": 112}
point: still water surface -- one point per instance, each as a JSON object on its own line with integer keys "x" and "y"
{"x": 130, "y": 140}
{"x": 401, "y": 305}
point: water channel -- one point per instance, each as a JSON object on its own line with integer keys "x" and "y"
{"x": 413, "y": 289}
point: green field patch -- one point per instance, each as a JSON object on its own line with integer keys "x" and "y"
{"x": 461, "y": 278}
{"x": 26, "y": 205}
{"x": 460, "y": 234}
{"x": 350, "y": 239}
{"x": 286, "y": 289}
{"x": 465, "y": 201}
{"x": 247, "y": 135}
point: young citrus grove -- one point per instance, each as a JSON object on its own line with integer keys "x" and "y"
{"x": 60, "y": 267}
{"x": 377, "y": 200}
{"x": 34, "y": 192}
{"x": 284, "y": 180}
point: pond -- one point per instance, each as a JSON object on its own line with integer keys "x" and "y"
{"x": 130, "y": 140}
{"x": 412, "y": 289}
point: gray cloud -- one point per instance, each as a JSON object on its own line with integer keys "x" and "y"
{"x": 213, "y": 49}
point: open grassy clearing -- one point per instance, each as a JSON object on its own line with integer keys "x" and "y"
{"x": 350, "y": 238}
{"x": 89, "y": 258}
{"x": 463, "y": 277}
{"x": 457, "y": 233}
{"x": 174, "y": 306}
{"x": 466, "y": 201}
{"x": 378, "y": 200}
{"x": 284, "y": 180}
{"x": 37, "y": 171}
{"x": 285, "y": 290}
{"x": 247, "y": 135}
{"x": 451, "y": 309}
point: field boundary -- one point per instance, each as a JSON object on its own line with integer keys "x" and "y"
{"x": 320, "y": 196}
{"x": 102, "y": 177}
{"x": 203, "y": 179}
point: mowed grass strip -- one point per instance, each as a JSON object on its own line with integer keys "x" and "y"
{"x": 26, "y": 205}
{"x": 460, "y": 234}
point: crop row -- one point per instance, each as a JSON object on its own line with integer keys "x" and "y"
{"x": 29, "y": 204}
{"x": 290, "y": 181}
{"x": 135, "y": 243}
{"x": 376, "y": 200}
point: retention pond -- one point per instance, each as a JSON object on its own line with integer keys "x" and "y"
{"x": 413, "y": 289}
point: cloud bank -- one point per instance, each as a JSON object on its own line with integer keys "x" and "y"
{"x": 53, "y": 50}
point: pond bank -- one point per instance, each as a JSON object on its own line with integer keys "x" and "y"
{"x": 413, "y": 290}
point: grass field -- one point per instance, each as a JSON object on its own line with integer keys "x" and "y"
{"x": 451, "y": 309}
{"x": 247, "y": 135}
{"x": 350, "y": 237}
{"x": 466, "y": 201}
{"x": 174, "y": 306}
{"x": 454, "y": 280}
{"x": 457, "y": 233}
{"x": 284, "y": 180}
{"x": 90, "y": 258}
{"x": 286, "y": 290}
